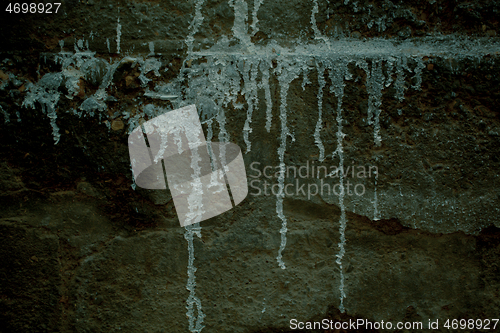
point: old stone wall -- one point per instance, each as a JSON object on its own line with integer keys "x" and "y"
{"x": 402, "y": 97}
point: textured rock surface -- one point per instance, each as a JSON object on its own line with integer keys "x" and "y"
{"x": 83, "y": 250}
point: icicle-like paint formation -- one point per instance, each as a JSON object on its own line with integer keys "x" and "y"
{"x": 195, "y": 322}
{"x": 389, "y": 68}
{"x": 375, "y": 99}
{"x": 149, "y": 65}
{"x": 337, "y": 73}
{"x": 195, "y": 202}
{"x": 250, "y": 91}
{"x": 210, "y": 135}
{"x": 240, "y": 26}
{"x": 314, "y": 25}
{"x": 118, "y": 36}
{"x": 376, "y": 213}
{"x": 223, "y": 137}
{"x": 287, "y": 73}
{"x": 47, "y": 94}
{"x": 317, "y": 33}
{"x": 216, "y": 176}
{"x": 401, "y": 66}
{"x": 195, "y": 25}
{"x": 375, "y": 84}
{"x": 55, "y": 129}
{"x": 418, "y": 73}
{"x": 134, "y": 185}
{"x": 256, "y": 5}
{"x": 5, "y": 115}
{"x": 319, "y": 124}
{"x": 223, "y": 134}
{"x": 264, "y": 69}
{"x": 151, "y": 49}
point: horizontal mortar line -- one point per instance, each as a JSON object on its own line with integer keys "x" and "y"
{"x": 372, "y": 47}
{"x": 425, "y": 46}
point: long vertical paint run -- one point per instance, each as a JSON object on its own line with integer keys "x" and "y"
{"x": 195, "y": 322}
{"x": 319, "y": 124}
{"x": 338, "y": 71}
{"x": 287, "y": 72}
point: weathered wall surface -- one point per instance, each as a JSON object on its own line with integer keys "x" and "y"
{"x": 407, "y": 89}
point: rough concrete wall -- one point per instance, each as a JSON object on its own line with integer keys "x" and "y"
{"x": 409, "y": 89}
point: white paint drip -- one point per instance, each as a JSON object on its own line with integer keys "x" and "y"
{"x": 264, "y": 68}
{"x": 118, "y": 35}
{"x": 400, "y": 83}
{"x": 319, "y": 124}
{"x": 376, "y": 213}
{"x": 163, "y": 97}
{"x": 192, "y": 133}
{"x": 305, "y": 77}
{"x": 240, "y": 26}
{"x": 195, "y": 322}
{"x": 214, "y": 178}
{"x": 256, "y": 5}
{"x": 151, "y": 49}
{"x": 223, "y": 137}
{"x": 195, "y": 198}
{"x": 375, "y": 84}
{"x": 337, "y": 73}
{"x": 389, "y": 68}
{"x": 47, "y": 94}
{"x": 5, "y": 115}
{"x": 249, "y": 73}
{"x": 317, "y": 33}
{"x": 215, "y": 184}
{"x": 418, "y": 73}
{"x": 287, "y": 73}
{"x": 314, "y": 25}
{"x": 223, "y": 134}
{"x": 55, "y": 129}
{"x": 195, "y": 25}
{"x": 149, "y": 65}
{"x": 210, "y": 135}
{"x": 375, "y": 99}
